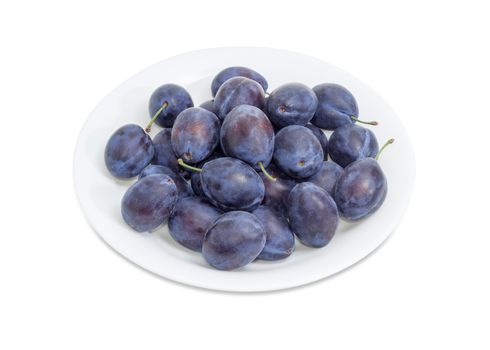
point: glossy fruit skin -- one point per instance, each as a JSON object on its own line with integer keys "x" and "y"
{"x": 148, "y": 203}
{"x": 195, "y": 134}
{"x": 177, "y": 98}
{"x": 190, "y": 220}
{"x": 277, "y": 192}
{"x": 238, "y": 91}
{"x": 297, "y": 152}
{"x": 231, "y": 184}
{"x": 291, "y": 104}
{"x": 196, "y": 176}
{"x": 164, "y": 153}
{"x": 351, "y": 142}
{"x": 336, "y": 106}
{"x": 209, "y": 106}
{"x": 327, "y": 176}
{"x": 232, "y": 72}
{"x": 313, "y": 214}
{"x": 183, "y": 188}
{"x": 247, "y": 134}
{"x": 279, "y": 242}
{"x": 128, "y": 151}
{"x": 361, "y": 190}
{"x": 233, "y": 241}
{"x": 320, "y": 135}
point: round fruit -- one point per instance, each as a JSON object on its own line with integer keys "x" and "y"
{"x": 350, "y": 143}
{"x": 148, "y": 203}
{"x": 247, "y": 134}
{"x": 312, "y": 214}
{"x": 171, "y": 99}
{"x": 297, "y": 152}
{"x": 291, "y": 104}
{"x": 238, "y": 91}
{"x": 128, "y": 151}
{"x": 279, "y": 243}
{"x": 233, "y": 241}
{"x": 195, "y": 134}
{"x": 190, "y": 220}
{"x": 232, "y": 72}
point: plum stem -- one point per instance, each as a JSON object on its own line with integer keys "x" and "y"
{"x": 269, "y": 176}
{"x": 362, "y": 121}
{"x": 190, "y": 167}
{"x": 389, "y": 142}
{"x": 148, "y": 127}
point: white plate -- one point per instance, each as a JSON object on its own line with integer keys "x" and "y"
{"x": 100, "y": 194}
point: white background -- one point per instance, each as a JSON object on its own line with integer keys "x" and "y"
{"x": 427, "y": 287}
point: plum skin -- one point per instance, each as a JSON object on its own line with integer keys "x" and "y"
{"x": 148, "y": 203}
{"x": 232, "y": 72}
{"x": 336, "y": 106}
{"x": 247, "y": 134}
{"x": 177, "y": 99}
{"x": 279, "y": 237}
{"x": 313, "y": 214}
{"x": 291, "y": 104}
{"x": 164, "y": 153}
{"x": 190, "y": 220}
{"x": 320, "y": 135}
{"x": 327, "y": 176}
{"x": 352, "y": 142}
{"x": 361, "y": 190}
{"x": 234, "y": 240}
{"x": 277, "y": 192}
{"x": 195, "y": 134}
{"x": 238, "y": 91}
{"x": 183, "y": 188}
{"x": 231, "y": 184}
{"x": 128, "y": 151}
{"x": 297, "y": 152}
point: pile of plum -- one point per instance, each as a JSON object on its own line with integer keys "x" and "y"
{"x": 243, "y": 174}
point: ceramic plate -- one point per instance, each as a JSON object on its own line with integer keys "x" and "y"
{"x": 100, "y": 194}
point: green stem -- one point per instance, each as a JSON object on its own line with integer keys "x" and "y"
{"x": 190, "y": 167}
{"x": 363, "y": 122}
{"x": 269, "y": 176}
{"x": 148, "y": 127}
{"x": 389, "y": 142}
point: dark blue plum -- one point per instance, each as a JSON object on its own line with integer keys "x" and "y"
{"x": 233, "y": 241}
{"x": 195, "y": 134}
{"x": 148, "y": 203}
{"x": 231, "y": 184}
{"x": 209, "y": 106}
{"x": 291, "y": 104}
{"x": 277, "y": 192}
{"x": 320, "y": 135}
{"x": 351, "y": 142}
{"x": 190, "y": 220}
{"x": 279, "y": 243}
{"x": 238, "y": 91}
{"x": 336, "y": 106}
{"x": 247, "y": 134}
{"x": 128, "y": 151}
{"x": 164, "y": 153}
{"x": 297, "y": 152}
{"x": 196, "y": 176}
{"x": 313, "y": 215}
{"x": 327, "y": 176}
{"x": 361, "y": 190}
{"x": 183, "y": 187}
{"x": 232, "y": 72}
{"x": 176, "y": 99}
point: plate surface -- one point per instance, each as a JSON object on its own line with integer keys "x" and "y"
{"x": 100, "y": 194}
